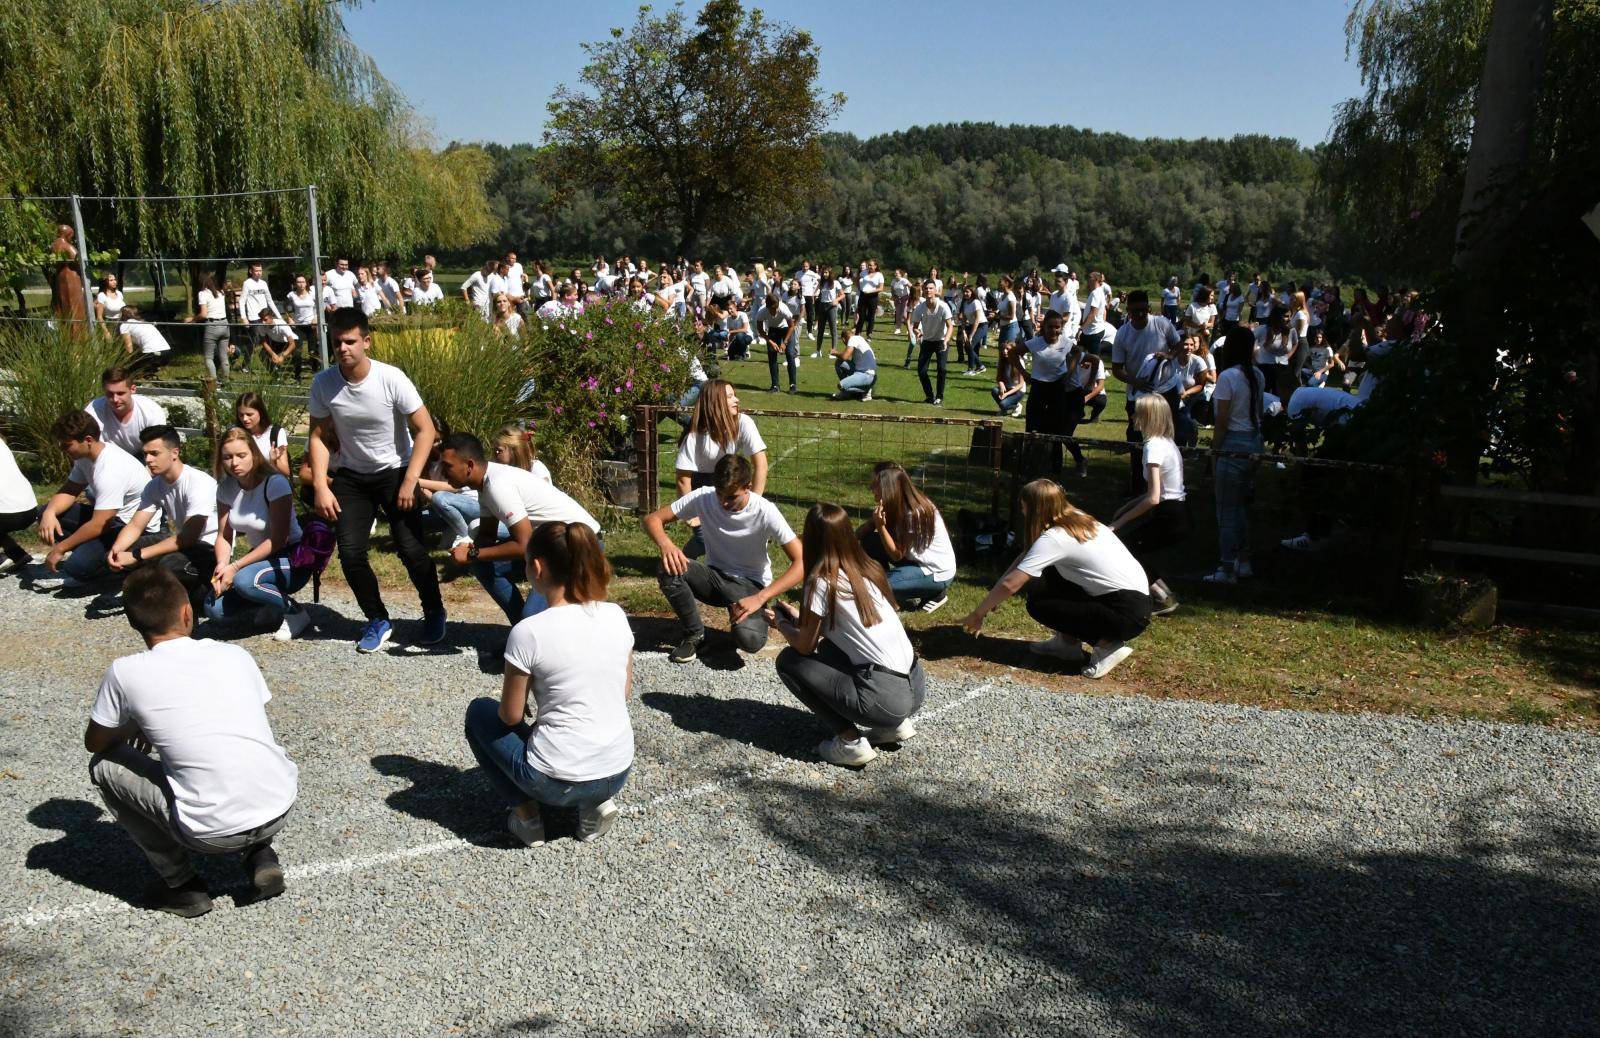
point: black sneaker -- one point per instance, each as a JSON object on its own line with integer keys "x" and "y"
{"x": 1083, "y": 470}
{"x": 794, "y": 389}
{"x": 266, "y": 875}
{"x": 772, "y": 389}
{"x": 190, "y": 900}
{"x": 687, "y": 649}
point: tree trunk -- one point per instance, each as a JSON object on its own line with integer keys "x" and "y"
{"x": 1502, "y": 131}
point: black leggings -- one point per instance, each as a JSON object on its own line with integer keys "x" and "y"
{"x": 1055, "y": 409}
{"x": 867, "y": 314}
{"x": 1165, "y": 524}
{"x": 10, "y": 523}
{"x": 1068, "y": 609}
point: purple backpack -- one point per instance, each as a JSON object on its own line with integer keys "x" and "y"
{"x": 317, "y": 542}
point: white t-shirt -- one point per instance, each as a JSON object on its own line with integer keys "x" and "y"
{"x": 427, "y": 296}
{"x": 1099, "y": 566}
{"x": 369, "y": 416}
{"x": 1232, "y": 306}
{"x": 16, "y": 493}
{"x": 249, "y": 511}
{"x": 1100, "y": 302}
{"x": 200, "y": 703}
{"x": 371, "y": 299}
{"x": 1089, "y": 371}
{"x": 930, "y": 319}
{"x": 1158, "y": 450}
{"x": 124, "y": 433}
{"x": 775, "y": 321}
{"x": 147, "y": 338}
{"x": 938, "y": 559}
{"x": 1273, "y": 350}
{"x": 736, "y": 542}
{"x": 872, "y": 283}
{"x": 112, "y": 303}
{"x": 1196, "y": 315}
{"x": 515, "y": 283}
{"x": 477, "y": 288}
{"x": 974, "y": 309}
{"x": 193, "y": 493}
{"x": 700, "y": 453}
{"x": 266, "y": 442}
{"x": 1049, "y": 358}
{"x": 512, "y": 495}
{"x": 340, "y": 288}
{"x": 884, "y": 643}
{"x": 115, "y": 480}
{"x": 577, "y": 659}
{"x": 541, "y": 472}
{"x": 302, "y": 307}
{"x": 809, "y": 279}
{"x": 1169, "y": 297}
{"x": 1233, "y": 385}
{"x": 213, "y": 305}
{"x": 1133, "y": 346}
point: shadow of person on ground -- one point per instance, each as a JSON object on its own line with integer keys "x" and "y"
{"x": 460, "y": 801}
{"x": 788, "y": 731}
{"x": 92, "y": 850}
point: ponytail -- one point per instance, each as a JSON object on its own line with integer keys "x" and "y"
{"x": 574, "y": 559}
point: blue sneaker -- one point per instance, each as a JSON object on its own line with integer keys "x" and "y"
{"x": 374, "y": 636}
{"x": 432, "y": 628}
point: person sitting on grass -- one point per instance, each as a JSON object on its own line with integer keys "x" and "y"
{"x": 576, "y": 660}
{"x": 1158, "y": 518}
{"x": 1093, "y": 590}
{"x": 857, "y": 368}
{"x": 736, "y": 524}
{"x": 255, "y": 504}
{"x": 906, "y": 535}
{"x": 186, "y": 497}
{"x": 848, "y": 658}
{"x": 220, "y": 783}
{"x": 1010, "y": 379}
{"x": 112, "y": 481}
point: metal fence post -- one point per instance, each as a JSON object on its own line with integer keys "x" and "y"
{"x": 645, "y": 443}
{"x": 316, "y": 272}
{"x": 83, "y": 262}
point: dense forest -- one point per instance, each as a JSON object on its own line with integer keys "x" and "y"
{"x": 977, "y": 196}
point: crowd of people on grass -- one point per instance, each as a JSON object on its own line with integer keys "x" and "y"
{"x": 231, "y": 546}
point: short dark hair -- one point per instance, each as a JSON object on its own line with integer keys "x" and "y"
{"x": 466, "y": 445}
{"x": 1139, "y": 295}
{"x": 75, "y": 425}
{"x": 153, "y": 601}
{"x": 347, "y": 317}
{"x": 165, "y": 433}
{"x": 116, "y": 373}
{"x": 733, "y": 472}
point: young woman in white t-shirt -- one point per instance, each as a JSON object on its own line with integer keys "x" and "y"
{"x": 716, "y": 430}
{"x": 255, "y": 504}
{"x": 1158, "y": 518}
{"x": 574, "y": 661}
{"x": 1278, "y": 352}
{"x": 907, "y": 536}
{"x": 1093, "y": 590}
{"x": 212, "y": 308}
{"x": 848, "y": 659}
{"x": 1237, "y": 406}
{"x": 108, "y": 304}
{"x": 250, "y": 414}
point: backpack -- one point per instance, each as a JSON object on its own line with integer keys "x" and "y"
{"x": 316, "y": 547}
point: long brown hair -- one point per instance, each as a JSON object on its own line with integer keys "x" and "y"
{"x": 833, "y": 553}
{"x": 1045, "y": 504}
{"x": 911, "y": 516}
{"x": 713, "y": 415}
{"x": 573, "y": 556}
{"x": 260, "y": 467}
{"x": 256, "y": 403}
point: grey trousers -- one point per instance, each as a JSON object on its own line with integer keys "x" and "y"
{"x": 843, "y": 694}
{"x": 214, "y": 346}
{"x": 701, "y": 583}
{"x": 135, "y": 789}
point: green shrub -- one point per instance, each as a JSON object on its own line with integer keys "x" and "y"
{"x": 471, "y": 377}
{"x": 43, "y": 373}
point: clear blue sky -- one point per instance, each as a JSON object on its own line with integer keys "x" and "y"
{"x": 1148, "y": 68}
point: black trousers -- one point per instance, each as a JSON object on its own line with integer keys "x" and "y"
{"x": 867, "y": 314}
{"x": 1056, "y": 409}
{"x": 1068, "y": 609}
{"x": 931, "y": 349}
{"x": 361, "y": 497}
{"x": 10, "y": 523}
{"x": 193, "y": 566}
{"x": 1165, "y": 524}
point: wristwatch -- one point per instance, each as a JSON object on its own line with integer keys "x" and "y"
{"x": 138, "y": 553}
{"x": 472, "y": 553}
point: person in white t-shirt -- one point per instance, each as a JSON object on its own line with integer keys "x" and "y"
{"x": 143, "y": 342}
{"x": 426, "y": 292}
{"x": 211, "y": 307}
{"x": 848, "y": 658}
{"x": 900, "y": 290}
{"x": 1093, "y": 590}
{"x": 778, "y": 323}
{"x": 186, "y": 497}
{"x": 303, "y": 319}
{"x": 1141, "y": 336}
{"x": 121, "y": 413}
{"x": 108, "y": 303}
{"x": 255, "y": 506}
{"x": 810, "y": 283}
{"x": 906, "y": 535}
{"x": 857, "y": 367}
{"x": 869, "y": 285}
{"x": 222, "y": 784}
{"x": 368, "y": 297}
{"x": 932, "y": 323}
{"x": 19, "y": 509}
{"x": 339, "y": 286}
{"x": 255, "y": 299}
{"x": 475, "y": 289}
{"x": 388, "y": 287}
{"x": 250, "y": 413}
{"x": 1096, "y": 331}
{"x": 736, "y": 525}
{"x": 1158, "y": 518}
{"x": 1237, "y": 407}
{"x": 574, "y": 661}
{"x": 716, "y": 430}
{"x": 516, "y": 284}
{"x": 385, "y": 435}
{"x": 80, "y": 535}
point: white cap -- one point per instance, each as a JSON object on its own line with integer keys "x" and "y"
{"x": 1061, "y": 268}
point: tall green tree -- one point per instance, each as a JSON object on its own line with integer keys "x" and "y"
{"x": 696, "y": 126}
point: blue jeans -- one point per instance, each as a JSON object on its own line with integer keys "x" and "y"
{"x": 857, "y": 383}
{"x": 1233, "y": 490}
{"x": 88, "y": 560}
{"x": 975, "y": 341}
{"x": 910, "y": 584}
{"x": 1009, "y": 401}
{"x": 265, "y": 584}
{"x": 502, "y": 750}
{"x": 455, "y": 511}
{"x": 1010, "y": 332}
{"x": 499, "y": 579}
{"x": 690, "y": 395}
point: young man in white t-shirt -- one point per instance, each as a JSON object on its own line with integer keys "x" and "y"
{"x": 255, "y": 299}
{"x": 932, "y": 322}
{"x": 516, "y": 285}
{"x": 80, "y": 535}
{"x": 187, "y": 498}
{"x": 1097, "y": 330}
{"x": 736, "y": 525}
{"x": 475, "y": 289}
{"x": 121, "y": 413}
{"x": 385, "y": 434}
{"x": 339, "y": 285}
{"x": 222, "y": 784}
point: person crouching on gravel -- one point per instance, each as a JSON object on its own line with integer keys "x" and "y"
{"x": 222, "y": 784}
{"x": 848, "y": 659}
{"x": 576, "y": 657}
{"x": 1093, "y": 591}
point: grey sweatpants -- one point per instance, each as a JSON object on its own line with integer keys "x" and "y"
{"x": 135, "y": 789}
{"x": 843, "y": 694}
{"x": 701, "y": 583}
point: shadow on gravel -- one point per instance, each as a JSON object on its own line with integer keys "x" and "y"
{"x": 1180, "y": 924}
{"x": 782, "y": 730}
{"x": 950, "y": 641}
{"x": 456, "y": 800}
{"x": 92, "y": 850}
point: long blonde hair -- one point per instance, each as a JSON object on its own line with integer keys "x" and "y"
{"x": 1152, "y": 416}
{"x": 516, "y": 441}
{"x": 1045, "y": 505}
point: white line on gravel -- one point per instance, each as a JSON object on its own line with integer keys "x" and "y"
{"x": 106, "y": 906}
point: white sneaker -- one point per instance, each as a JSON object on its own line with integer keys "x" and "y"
{"x": 898, "y": 733}
{"x": 1056, "y": 645}
{"x": 815, "y": 354}
{"x": 1223, "y": 575}
{"x": 594, "y": 822}
{"x": 7, "y": 564}
{"x": 1102, "y": 663}
{"x": 851, "y": 754}
{"x": 459, "y": 541}
{"x": 867, "y": 395}
{"x": 1244, "y": 571}
{"x": 295, "y": 622}
{"x": 1299, "y": 542}
{"x": 529, "y": 831}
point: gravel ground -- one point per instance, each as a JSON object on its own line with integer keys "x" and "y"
{"x": 1031, "y": 863}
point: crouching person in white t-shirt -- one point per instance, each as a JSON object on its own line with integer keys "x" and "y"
{"x": 222, "y": 784}
{"x": 576, "y": 659}
{"x": 1093, "y": 590}
{"x": 187, "y": 498}
{"x": 736, "y": 525}
{"x": 848, "y": 659}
